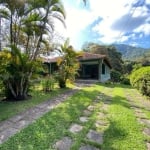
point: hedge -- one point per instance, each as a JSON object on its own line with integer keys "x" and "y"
{"x": 140, "y": 79}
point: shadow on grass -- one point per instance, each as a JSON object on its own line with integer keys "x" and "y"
{"x": 113, "y": 134}
{"x": 115, "y": 85}
{"x": 54, "y": 125}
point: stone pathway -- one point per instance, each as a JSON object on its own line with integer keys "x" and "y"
{"x": 11, "y": 126}
{"x": 92, "y": 136}
{"x": 140, "y": 115}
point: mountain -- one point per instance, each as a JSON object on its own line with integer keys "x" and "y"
{"x": 130, "y": 52}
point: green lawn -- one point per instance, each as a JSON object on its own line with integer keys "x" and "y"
{"x": 9, "y": 109}
{"x": 123, "y": 132}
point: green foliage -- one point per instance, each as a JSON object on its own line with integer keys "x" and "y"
{"x": 122, "y": 131}
{"x": 115, "y": 76}
{"x": 48, "y": 83}
{"x": 16, "y": 70}
{"x": 130, "y": 52}
{"x": 125, "y": 80}
{"x": 68, "y": 65}
{"x": 140, "y": 79}
{"x": 28, "y": 25}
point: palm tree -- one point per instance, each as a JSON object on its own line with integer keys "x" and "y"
{"x": 53, "y": 10}
{"x": 68, "y": 64}
{"x": 29, "y": 20}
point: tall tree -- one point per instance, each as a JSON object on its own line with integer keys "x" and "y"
{"x": 30, "y": 22}
{"x": 68, "y": 64}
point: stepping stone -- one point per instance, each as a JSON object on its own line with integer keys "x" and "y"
{"x": 107, "y": 101}
{"x": 145, "y": 121}
{"x": 137, "y": 110}
{"x": 75, "y": 128}
{"x": 146, "y": 131}
{"x": 101, "y": 115}
{"x": 101, "y": 123}
{"x": 7, "y": 133}
{"x": 88, "y": 147}
{"x": 21, "y": 124}
{"x": 16, "y": 118}
{"x": 99, "y": 97}
{"x": 83, "y": 119}
{"x": 95, "y": 136}
{"x": 148, "y": 146}
{"x": 64, "y": 144}
{"x": 104, "y": 107}
{"x": 87, "y": 112}
{"x": 96, "y": 101}
{"x": 90, "y": 108}
{"x": 140, "y": 115}
{"x": 5, "y": 124}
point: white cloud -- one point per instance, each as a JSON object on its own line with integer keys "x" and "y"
{"x": 148, "y": 2}
{"x": 118, "y": 17}
{"x": 145, "y": 28}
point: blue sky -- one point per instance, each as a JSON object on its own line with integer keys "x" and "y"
{"x": 107, "y": 22}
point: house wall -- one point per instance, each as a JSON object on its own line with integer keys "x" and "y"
{"x": 89, "y": 70}
{"x": 104, "y": 76}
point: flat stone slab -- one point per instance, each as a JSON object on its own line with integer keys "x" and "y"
{"x": 137, "y": 110}
{"x": 101, "y": 123}
{"x": 95, "y": 136}
{"x": 148, "y": 146}
{"x": 90, "y": 108}
{"x": 6, "y": 134}
{"x": 101, "y": 115}
{"x": 75, "y": 128}
{"x": 146, "y": 131}
{"x": 107, "y": 101}
{"x": 84, "y": 119}
{"x": 88, "y": 147}
{"x": 140, "y": 115}
{"x": 104, "y": 107}
{"x": 5, "y": 124}
{"x": 99, "y": 97}
{"x": 21, "y": 124}
{"x": 64, "y": 144}
{"x": 87, "y": 113}
{"x": 145, "y": 121}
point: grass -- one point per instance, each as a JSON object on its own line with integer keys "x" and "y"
{"x": 9, "y": 109}
{"x": 122, "y": 133}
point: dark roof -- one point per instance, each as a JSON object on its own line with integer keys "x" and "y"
{"x": 90, "y": 56}
{"x": 83, "y": 57}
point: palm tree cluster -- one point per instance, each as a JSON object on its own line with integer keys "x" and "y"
{"x": 31, "y": 22}
{"x": 30, "y": 25}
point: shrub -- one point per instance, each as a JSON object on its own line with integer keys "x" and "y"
{"x": 48, "y": 83}
{"x": 115, "y": 76}
{"x": 140, "y": 79}
{"x": 125, "y": 80}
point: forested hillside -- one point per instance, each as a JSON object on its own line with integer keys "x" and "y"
{"x": 132, "y": 53}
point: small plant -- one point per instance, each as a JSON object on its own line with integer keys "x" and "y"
{"x": 48, "y": 83}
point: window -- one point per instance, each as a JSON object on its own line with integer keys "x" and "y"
{"x": 103, "y": 69}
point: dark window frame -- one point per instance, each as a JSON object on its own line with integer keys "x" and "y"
{"x": 103, "y": 68}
